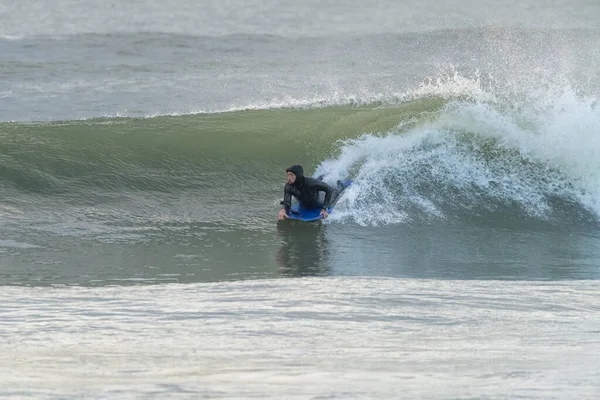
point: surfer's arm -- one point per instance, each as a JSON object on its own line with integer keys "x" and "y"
{"x": 287, "y": 198}
{"x": 324, "y": 187}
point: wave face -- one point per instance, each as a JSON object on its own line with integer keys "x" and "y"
{"x": 453, "y": 149}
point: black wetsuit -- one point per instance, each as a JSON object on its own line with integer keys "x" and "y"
{"x": 306, "y": 191}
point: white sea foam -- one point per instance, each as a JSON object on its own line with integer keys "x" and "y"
{"x": 491, "y": 151}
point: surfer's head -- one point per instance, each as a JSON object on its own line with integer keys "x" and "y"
{"x": 295, "y": 174}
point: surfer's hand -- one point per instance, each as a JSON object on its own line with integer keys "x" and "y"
{"x": 282, "y": 214}
{"x": 324, "y": 213}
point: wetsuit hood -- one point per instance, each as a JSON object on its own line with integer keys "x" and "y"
{"x": 299, "y": 172}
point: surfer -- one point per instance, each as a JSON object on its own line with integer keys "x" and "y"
{"x": 305, "y": 190}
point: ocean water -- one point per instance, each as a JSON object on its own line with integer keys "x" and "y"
{"x": 143, "y": 149}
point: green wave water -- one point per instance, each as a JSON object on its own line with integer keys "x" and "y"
{"x": 168, "y": 153}
{"x": 454, "y": 157}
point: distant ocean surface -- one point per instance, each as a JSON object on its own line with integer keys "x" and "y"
{"x": 143, "y": 149}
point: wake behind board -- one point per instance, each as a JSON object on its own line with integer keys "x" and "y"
{"x": 299, "y": 213}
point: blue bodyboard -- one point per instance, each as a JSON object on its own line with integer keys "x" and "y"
{"x": 300, "y": 213}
